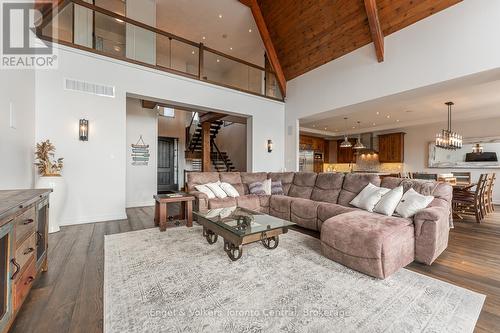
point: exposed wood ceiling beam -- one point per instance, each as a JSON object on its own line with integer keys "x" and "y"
{"x": 148, "y": 104}
{"x": 375, "y": 29}
{"x": 268, "y": 43}
{"x": 211, "y": 116}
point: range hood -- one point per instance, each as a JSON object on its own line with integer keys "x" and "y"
{"x": 370, "y": 141}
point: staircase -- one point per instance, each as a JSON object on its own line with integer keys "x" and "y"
{"x": 220, "y": 160}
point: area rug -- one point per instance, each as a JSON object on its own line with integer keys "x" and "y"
{"x": 174, "y": 281}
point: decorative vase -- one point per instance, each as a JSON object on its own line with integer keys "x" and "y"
{"x": 57, "y": 198}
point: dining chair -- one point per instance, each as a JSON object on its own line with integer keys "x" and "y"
{"x": 467, "y": 202}
{"x": 488, "y": 195}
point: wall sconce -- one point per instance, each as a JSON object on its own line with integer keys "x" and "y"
{"x": 269, "y": 146}
{"x": 84, "y": 130}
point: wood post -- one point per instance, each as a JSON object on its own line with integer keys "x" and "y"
{"x": 205, "y": 147}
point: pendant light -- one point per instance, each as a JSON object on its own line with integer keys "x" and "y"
{"x": 359, "y": 144}
{"x": 346, "y": 143}
{"x": 448, "y": 139}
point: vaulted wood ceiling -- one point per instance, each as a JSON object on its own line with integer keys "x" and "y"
{"x": 309, "y": 33}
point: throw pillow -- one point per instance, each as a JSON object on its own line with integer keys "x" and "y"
{"x": 412, "y": 202}
{"x": 230, "y": 190}
{"x": 267, "y": 186}
{"x": 257, "y": 188}
{"x": 277, "y": 188}
{"x": 369, "y": 197}
{"x": 215, "y": 187}
{"x": 204, "y": 189}
{"x": 387, "y": 205}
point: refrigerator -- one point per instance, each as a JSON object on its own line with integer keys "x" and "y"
{"x": 306, "y": 161}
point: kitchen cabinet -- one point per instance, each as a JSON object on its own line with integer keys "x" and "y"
{"x": 346, "y": 155}
{"x": 391, "y": 148}
{"x": 312, "y": 143}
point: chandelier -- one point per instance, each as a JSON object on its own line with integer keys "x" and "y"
{"x": 448, "y": 139}
{"x": 346, "y": 143}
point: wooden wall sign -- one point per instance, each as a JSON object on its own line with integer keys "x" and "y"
{"x": 140, "y": 153}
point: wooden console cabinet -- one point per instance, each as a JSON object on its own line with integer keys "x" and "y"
{"x": 24, "y": 217}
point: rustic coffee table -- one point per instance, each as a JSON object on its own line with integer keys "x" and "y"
{"x": 161, "y": 211}
{"x": 239, "y": 226}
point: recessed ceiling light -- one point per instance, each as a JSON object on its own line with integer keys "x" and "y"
{"x": 218, "y": 60}
{"x": 378, "y": 113}
{"x": 326, "y": 128}
{"x": 388, "y": 117}
{"x": 397, "y": 120}
{"x": 353, "y": 127}
{"x": 203, "y": 38}
{"x": 231, "y": 48}
{"x": 249, "y": 30}
{"x": 220, "y": 15}
{"x": 374, "y": 124}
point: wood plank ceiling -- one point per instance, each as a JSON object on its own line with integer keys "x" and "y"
{"x": 309, "y": 33}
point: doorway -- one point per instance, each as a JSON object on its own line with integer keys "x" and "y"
{"x": 168, "y": 164}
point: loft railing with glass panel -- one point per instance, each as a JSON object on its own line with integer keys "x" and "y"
{"x": 95, "y": 29}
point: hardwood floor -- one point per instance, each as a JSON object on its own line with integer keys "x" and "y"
{"x": 68, "y": 298}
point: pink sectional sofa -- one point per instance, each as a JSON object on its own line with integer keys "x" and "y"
{"x": 371, "y": 243}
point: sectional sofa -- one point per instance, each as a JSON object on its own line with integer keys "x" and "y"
{"x": 371, "y": 243}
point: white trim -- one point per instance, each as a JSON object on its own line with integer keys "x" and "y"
{"x": 93, "y": 219}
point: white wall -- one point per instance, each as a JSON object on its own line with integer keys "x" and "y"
{"x": 140, "y": 179}
{"x": 95, "y": 171}
{"x": 233, "y": 140}
{"x": 450, "y": 44}
{"x": 417, "y": 141}
{"x": 17, "y": 93}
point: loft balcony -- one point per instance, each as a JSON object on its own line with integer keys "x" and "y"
{"x": 91, "y": 28}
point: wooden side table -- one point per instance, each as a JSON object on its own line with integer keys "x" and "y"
{"x": 161, "y": 211}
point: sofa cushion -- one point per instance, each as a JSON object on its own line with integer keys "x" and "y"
{"x": 277, "y": 188}
{"x": 412, "y": 202}
{"x": 200, "y": 178}
{"x": 248, "y": 178}
{"x": 327, "y": 187}
{"x": 257, "y": 188}
{"x": 285, "y": 177}
{"x": 250, "y": 201}
{"x": 328, "y": 210}
{"x": 374, "y": 244}
{"x": 264, "y": 201}
{"x": 355, "y": 183}
{"x": 304, "y": 212}
{"x": 363, "y": 234}
{"x": 233, "y": 178}
{"x": 221, "y": 203}
{"x": 280, "y": 206}
{"x": 302, "y": 185}
{"x": 369, "y": 197}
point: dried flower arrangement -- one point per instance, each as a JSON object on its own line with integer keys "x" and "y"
{"x": 47, "y": 165}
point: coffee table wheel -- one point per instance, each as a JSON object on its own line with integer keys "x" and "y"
{"x": 232, "y": 251}
{"x": 271, "y": 243}
{"x": 210, "y": 236}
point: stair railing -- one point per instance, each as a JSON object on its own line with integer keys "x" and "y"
{"x": 219, "y": 155}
